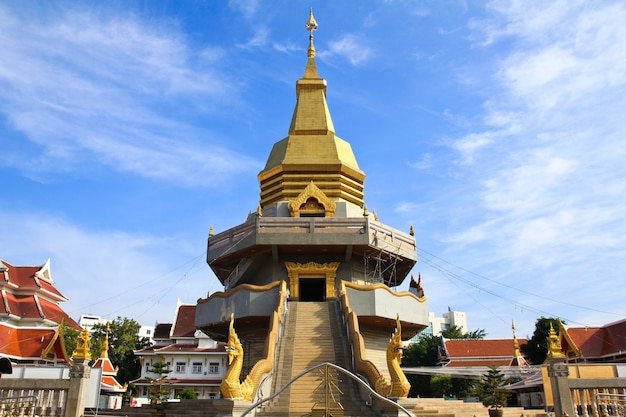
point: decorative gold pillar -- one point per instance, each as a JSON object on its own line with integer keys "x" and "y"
{"x": 297, "y": 270}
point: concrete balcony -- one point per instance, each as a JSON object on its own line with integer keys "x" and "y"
{"x": 359, "y": 236}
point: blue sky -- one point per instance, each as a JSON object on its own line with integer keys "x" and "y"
{"x": 496, "y": 129}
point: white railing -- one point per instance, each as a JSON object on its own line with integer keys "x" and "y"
{"x": 32, "y": 402}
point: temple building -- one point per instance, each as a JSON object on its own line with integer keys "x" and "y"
{"x": 310, "y": 277}
{"x": 197, "y": 362}
{"x": 31, "y": 319}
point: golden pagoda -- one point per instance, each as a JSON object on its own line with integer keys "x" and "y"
{"x": 309, "y": 279}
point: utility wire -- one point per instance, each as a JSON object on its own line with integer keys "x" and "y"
{"x": 514, "y": 288}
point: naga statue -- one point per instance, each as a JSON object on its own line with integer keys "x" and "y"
{"x": 231, "y": 388}
{"x": 400, "y": 385}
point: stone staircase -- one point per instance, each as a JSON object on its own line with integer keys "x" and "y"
{"x": 313, "y": 334}
{"x": 440, "y": 407}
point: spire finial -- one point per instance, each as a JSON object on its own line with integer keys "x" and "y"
{"x": 105, "y": 344}
{"x": 311, "y": 25}
{"x": 515, "y": 341}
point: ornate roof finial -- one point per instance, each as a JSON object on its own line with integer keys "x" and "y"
{"x": 311, "y": 25}
{"x": 83, "y": 346}
{"x": 554, "y": 344}
{"x": 105, "y": 345}
{"x": 516, "y": 350}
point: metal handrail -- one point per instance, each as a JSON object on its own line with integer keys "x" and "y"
{"x": 338, "y": 368}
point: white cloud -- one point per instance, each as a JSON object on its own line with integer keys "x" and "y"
{"x": 546, "y": 206}
{"x": 112, "y": 272}
{"x": 248, "y": 8}
{"x": 92, "y": 90}
{"x": 260, "y": 38}
{"x": 350, "y": 47}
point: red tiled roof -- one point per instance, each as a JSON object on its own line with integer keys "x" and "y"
{"x": 24, "y": 277}
{"x": 599, "y": 341}
{"x": 53, "y": 312}
{"x": 23, "y": 306}
{"x": 185, "y": 325}
{"x": 32, "y": 307}
{"x": 457, "y": 348}
{"x": 192, "y": 348}
{"x": 110, "y": 384}
{"x": 24, "y": 343}
{"x": 162, "y": 331}
{"x": 478, "y": 362}
{"x": 106, "y": 365}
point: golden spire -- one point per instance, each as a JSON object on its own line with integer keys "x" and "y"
{"x": 105, "y": 345}
{"x": 311, "y": 25}
{"x": 516, "y": 351}
{"x": 311, "y": 151}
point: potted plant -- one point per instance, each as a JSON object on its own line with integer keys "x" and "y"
{"x": 491, "y": 392}
{"x": 159, "y": 390}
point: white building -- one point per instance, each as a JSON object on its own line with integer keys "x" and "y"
{"x": 87, "y": 321}
{"x": 197, "y": 362}
{"x": 438, "y": 324}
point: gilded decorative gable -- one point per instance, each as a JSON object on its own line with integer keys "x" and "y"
{"x": 302, "y": 203}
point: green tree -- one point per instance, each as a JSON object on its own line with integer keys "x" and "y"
{"x": 490, "y": 389}
{"x": 425, "y": 352}
{"x": 536, "y": 349}
{"x": 441, "y": 385}
{"x": 159, "y": 390}
{"x": 70, "y": 338}
{"x": 187, "y": 394}
{"x": 123, "y": 342}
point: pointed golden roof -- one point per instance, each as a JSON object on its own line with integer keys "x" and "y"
{"x": 312, "y": 151}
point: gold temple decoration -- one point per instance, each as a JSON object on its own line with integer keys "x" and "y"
{"x": 49, "y": 352}
{"x": 296, "y": 270}
{"x": 83, "y": 346}
{"x": 311, "y": 151}
{"x": 211, "y": 231}
{"x": 105, "y": 344}
{"x": 312, "y": 201}
{"x": 400, "y": 385}
{"x": 230, "y": 387}
{"x": 311, "y": 25}
{"x": 516, "y": 351}
{"x": 554, "y": 344}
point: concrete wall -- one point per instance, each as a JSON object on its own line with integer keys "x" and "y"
{"x": 381, "y": 302}
{"x": 242, "y": 301}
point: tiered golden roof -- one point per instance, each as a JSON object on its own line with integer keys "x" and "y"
{"x": 312, "y": 151}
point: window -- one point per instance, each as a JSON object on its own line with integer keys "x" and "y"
{"x": 214, "y": 367}
{"x": 196, "y": 368}
{"x": 147, "y": 366}
{"x": 148, "y": 331}
{"x": 180, "y": 367}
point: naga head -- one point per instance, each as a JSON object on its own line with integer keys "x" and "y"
{"x": 395, "y": 344}
{"x": 233, "y": 347}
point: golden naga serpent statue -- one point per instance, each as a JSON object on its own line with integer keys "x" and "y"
{"x": 232, "y": 389}
{"x": 400, "y": 385}
{"x": 230, "y": 386}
